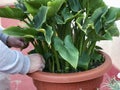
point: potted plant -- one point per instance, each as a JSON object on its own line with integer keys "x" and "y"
{"x": 65, "y": 32}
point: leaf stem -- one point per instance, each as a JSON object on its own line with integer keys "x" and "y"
{"x": 91, "y": 47}
{"x": 57, "y": 61}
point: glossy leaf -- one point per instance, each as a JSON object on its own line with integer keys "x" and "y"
{"x": 66, "y": 16}
{"x": 34, "y": 5}
{"x": 97, "y": 16}
{"x": 48, "y": 34}
{"x": 86, "y": 25}
{"x": 21, "y": 32}
{"x": 74, "y": 5}
{"x": 40, "y": 18}
{"x": 113, "y": 30}
{"x": 112, "y": 15}
{"x": 91, "y": 5}
{"x": 93, "y": 36}
{"x": 67, "y": 50}
{"x": 54, "y": 6}
{"x": 32, "y": 9}
{"x": 13, "y": 13}
{"x": 110, "y": 32}
{"x": 84, "y": 61}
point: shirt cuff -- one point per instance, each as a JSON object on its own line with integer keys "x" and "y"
{"x": 3, "y": 37}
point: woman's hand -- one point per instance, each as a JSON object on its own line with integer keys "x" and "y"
{"x": 16, "y": 42}
{"x": 37, "y": 63}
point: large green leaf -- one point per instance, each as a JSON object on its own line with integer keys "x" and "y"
{"x": 74, "y": 5}
{"x": 91, "y": 5}
{"x": 97, "y": 18}
{"x": 59, "y": 19}
{"x": 88, "y": 23}
{"x": 34, "y": 5}
{"x": 110, "y": 32}
{"x": 40, "y": 18}
{"x": 113, "y": 30}
{"x": 107, "y": 36}
{"x": 93, "y": 36}
{"x": 13, "y": 13}
{"x": 112, "y": 15}
{"x": 84, "y": 61}
{"x": 31, "y": 8}
{"x": 67, "y": 50}
{"x": 48, "y": 34}
{"x": 21, "y": 32}
{"x": 66, "y": 16}
{"x": 54, "y": 6}
{"x": 69, "y": 16}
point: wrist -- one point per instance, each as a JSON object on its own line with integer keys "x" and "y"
{"x": 7, "y": 41}
{"x": 3, "y": 37}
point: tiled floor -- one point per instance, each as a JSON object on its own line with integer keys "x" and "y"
{"x": 21, "y": 82}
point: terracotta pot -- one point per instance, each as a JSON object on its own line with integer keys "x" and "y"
{"x": 87, "y": 80}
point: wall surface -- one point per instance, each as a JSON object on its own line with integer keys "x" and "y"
{"x": 6, "y": 2}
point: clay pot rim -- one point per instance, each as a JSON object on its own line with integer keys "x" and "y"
{"x": 74, "y": 77}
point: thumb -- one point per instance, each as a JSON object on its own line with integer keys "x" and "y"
{"x": 19, "y": 44}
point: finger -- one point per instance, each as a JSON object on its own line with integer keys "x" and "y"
{"x": 25, "y": 44}
{"x": 19, "y": 44}
{"x": 42, "y": 67}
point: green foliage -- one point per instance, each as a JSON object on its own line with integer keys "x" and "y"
{"x": 40, "y": 18}
{"x": 67, "y": 50}
{"x": 14, "y": 13}
{"x": 65, "y": 32}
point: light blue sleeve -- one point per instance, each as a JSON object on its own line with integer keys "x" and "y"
{"x": 12, "y": 61}
{"x": 3, "y": 37}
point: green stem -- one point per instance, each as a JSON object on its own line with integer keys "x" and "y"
{"x": 85, "y": 44}
{"x": 53, "y": 65}
{"x": 91, "y": 48}
{"x": 67, "y": 67}
{"x": 82, "y": 40}
{"x": 27, "y": 23}
{"x": 30, "y": 21}
{"x": 57, "y": 60}
{"x": 36, "y": 45}
{"x": 49, "y": 66}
